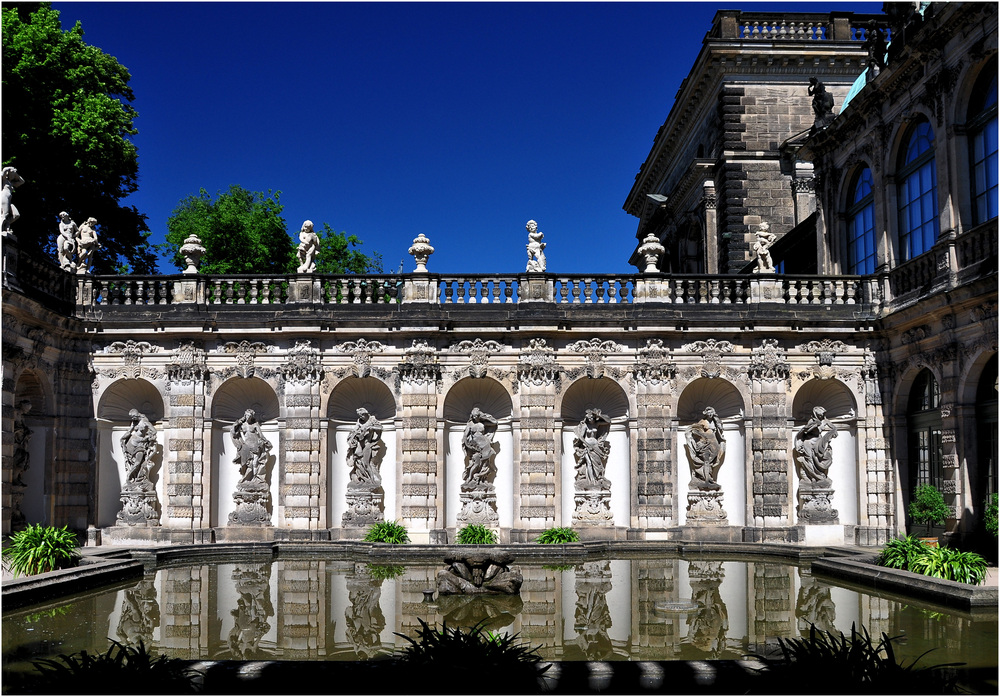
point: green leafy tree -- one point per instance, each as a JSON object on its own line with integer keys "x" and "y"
{"x": 338, "y": 254}
{"x": 67, "y": 128}
{"x": 242, "y": 232}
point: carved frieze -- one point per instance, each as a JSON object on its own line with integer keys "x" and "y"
{"x": 915, "y": 334}
{"x": 767, "y": 362}
{"x": 303, "y": 365}
{"x": 131, "y": 353}
{"x": 654, "y": 366}
{"x": 711, "y": 352}
{"x": 362, "y": 352}
{"x": 596, "y": 352}
{"x": 479, "y": 354}
{"x": 537, "y": 365}
{"x": 825, "y": 351}
{"x": 190, "y": 364}
{"x": 420, "y": 365}
{"x": 246, "y": 355}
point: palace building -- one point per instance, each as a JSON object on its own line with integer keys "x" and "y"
{"x": 811, "y": 333}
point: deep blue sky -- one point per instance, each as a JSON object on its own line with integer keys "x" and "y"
{"x": 460, "y": 121}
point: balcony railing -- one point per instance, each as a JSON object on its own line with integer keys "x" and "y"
{"x": 795, "y": 26}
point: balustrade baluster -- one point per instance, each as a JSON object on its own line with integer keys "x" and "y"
{"x": 598, "y": 291}
{"x": 508, "y": 291}
{"x": 116, "y": 294}
{"x": 241, "y": 291}
{"x": 851, "y": 291}
{"x": 756, "y": 30}
{"x": 703, "y": 291}
{"x": 128, "y": 293}
{"x": 613, "y": 291}
{"x": 575, "y": 290}
{"x": 588, "y": 291}
{"x": 460, "y": 299}
{"x": 448, "y": 292}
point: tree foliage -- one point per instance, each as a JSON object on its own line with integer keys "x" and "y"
{"x": 244, "y": 232}
{"x": 67, "y": 128}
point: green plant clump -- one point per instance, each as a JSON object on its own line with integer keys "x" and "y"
{"x": 928, "y": 506}
{"x": 39, "y": 548}
{"x": 558, "y": 536}
{"x": 900, "y": 552}
{"x": 388, "y": 531}
{"x": 858, "y": 665}
{"x": 490, "y": 657}
{"x": 951, "y": 565}
{"x": 120, "y": 670}
{"x": 477, "y": 535}
{"x": 990, "y": 514}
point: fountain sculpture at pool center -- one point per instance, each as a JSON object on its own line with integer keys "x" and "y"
{"x": 480, "y": 573}
{"x": 364, "y": 455}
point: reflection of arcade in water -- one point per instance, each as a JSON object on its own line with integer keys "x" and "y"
{"x": 639, "y": 609}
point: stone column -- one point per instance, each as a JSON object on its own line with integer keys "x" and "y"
{"x": 75, "y": 453}
{"x": 299, "y": 469}
{"x": 541, "y": 449}
{"x": 418, "y": 450}
{"x": 655, "y": 428}
{"x": 878, "y": 482}
{"x": 768, "y": 372}
{"x": 711, "y": 221}
{"x": 187, "y": 490}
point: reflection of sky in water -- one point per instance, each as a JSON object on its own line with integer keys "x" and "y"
{"x": 639, "y": 609}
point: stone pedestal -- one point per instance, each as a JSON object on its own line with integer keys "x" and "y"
{"x": 705, "y": 507}
{"x": 821, "y": 535}
{"x": 766, "y": 290}
{"x": 815, "y": 503}
{"x": 420, "y": 289}
{"x": 652, "y": 290}
{"x": 304, "y": 290}
{"x": 364, "y": 505}
{"x": 17, "y": 521}
{"x": 133, "y": 535}
{"x": 138, "y": 505}
{"x": 252, "y": 499}
{"x": 592, "y": 507}
{"x": 479, "y": 506}
{"x": 535, "y": 289}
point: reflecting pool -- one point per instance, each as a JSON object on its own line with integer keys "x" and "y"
{"x": 612, "y": 609}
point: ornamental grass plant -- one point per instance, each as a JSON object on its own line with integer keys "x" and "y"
{"x": 558, "y": 536}
{"x": 388, "y": 532}
{"x": 40, "y": 548}
{"x": 910, "y": 554}
{"x": 476, "y": 535}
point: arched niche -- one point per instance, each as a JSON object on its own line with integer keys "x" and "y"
{"x": 488, "y": 396}
{"x": 348, "y": 396}
{"x": 236, "y": 395}
{"x": 608, "y": 396}
{"x": 229, "y": 403}
{"x": 32, "y": 447}
{"x": 113, "y": 421}
{"x": 733, "y": 473}
{"x": 836, "y": 398}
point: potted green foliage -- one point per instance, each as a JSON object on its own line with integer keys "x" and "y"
{"x": 476, "y": 535}
{"x": 40, "y": 548}
{"x": 389, "y": 532}
{"x": 928, "y": 507}
{"x": 990, "y": 514}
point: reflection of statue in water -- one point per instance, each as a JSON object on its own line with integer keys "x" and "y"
{"x": 363, "y": 617}
{"x": 592, "y": 617}
{"x": 591, "y": 449}
{"x": 812, "y": 444}
{"x": 253, "y": 609}
{"x": 477, "y": 441}
{"x": 706, "y": 443}
{"x": 708, "y": 628}
{"x": 815, "y": 606}
{"x": 138, "y": 446}
{"x": 22, "y": 438}
{"x": 140, "y": 614}
{"x": 252, "y": 448}
{"x": 363, "y": 449}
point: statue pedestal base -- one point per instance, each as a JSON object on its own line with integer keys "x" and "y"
{"x": 592, "y": 507}
{"x": 816, "y": 503}
{"x": 252, "y": 499}
{"x": 364, "y": 505}
{"x": 765, "y": 290}
{"x": 133, "y": 535}
{"x": 479, "y": 506}
{"x": 705, "y": 508}
{"x": 17, "y": 520}
{"x": 821, "y": 535}
{"x": 138, "y": 505}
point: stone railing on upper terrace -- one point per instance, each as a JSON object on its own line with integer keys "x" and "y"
{"x": 953, "y": 261}
{"x": 794, "y": 26}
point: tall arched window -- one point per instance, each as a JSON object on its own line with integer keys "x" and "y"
{"x": 923, "y": 420}
{"x": 861, "y": 226}
{"x": 918, "y": 211}
{"x": 982, "y": 130}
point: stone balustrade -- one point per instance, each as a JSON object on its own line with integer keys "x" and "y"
{"x": 794, "y": 26}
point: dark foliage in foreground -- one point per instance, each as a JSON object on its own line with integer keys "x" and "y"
{"x": 118, "y": 671}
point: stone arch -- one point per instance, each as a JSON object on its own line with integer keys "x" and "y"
{"x": 349, "y": 395}
{"x": 489, "y": 396}
{"x": 729, "y": 405}
{"x": 608, "y": 396}
{"x": 113, "y": 421}
{"x": 33, "y": 424}
{"x": 978, "y": 418}
{"x": 848, "y": 455}
{"x": 229, "y": 403}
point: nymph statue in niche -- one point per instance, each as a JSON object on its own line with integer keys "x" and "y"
{"x": 591, "y": 449}
{"x": 477, "y": 442}
{"x": 706, "y": 443}
{"x": 363, "y": 449}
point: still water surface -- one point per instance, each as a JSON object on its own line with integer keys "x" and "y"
{"x": 616, "y": 609}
